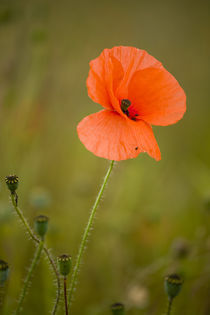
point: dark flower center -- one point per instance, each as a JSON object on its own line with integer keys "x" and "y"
{"x": 127, "y": 109}
{"x": 125, "y": 104}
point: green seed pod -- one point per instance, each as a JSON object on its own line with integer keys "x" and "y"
{"x": 41, "y": 225}
{"x": 12, "y": 182}
{"x": 173, "y": 284}
{"x": 118, "y": 309}
{"x": 64, "y": 264}
{"x": 4, "y": 271}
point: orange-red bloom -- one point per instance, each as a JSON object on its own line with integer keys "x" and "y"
{"x": 136, "y": 92}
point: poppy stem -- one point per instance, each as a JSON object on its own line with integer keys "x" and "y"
{"x": 46, "y": 250}
{"x": 169, "y": 306}
{"x": 28, "y": 276}
{"x": 86, "y": 234}
{"x": 65, "y": 295}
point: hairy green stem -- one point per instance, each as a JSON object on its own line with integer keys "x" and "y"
{"x": 23, "y": 219}
{"x": 46, "y": 250}
{"x": 169, "y": 306}
{"x": 29, "y": 275}
{"x": 65, "y": 295}
{"x": 86, "y": 233}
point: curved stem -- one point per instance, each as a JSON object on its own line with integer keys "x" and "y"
{"x": 46, "y": 250}
{"x": 65, "y": 295}
{"x": 169, "y": 306}
{"x": 53, "y": 265}
{"x": 86, "y": 233}
{"x": 23, "y": 219}
{"x": 29, "y": 275}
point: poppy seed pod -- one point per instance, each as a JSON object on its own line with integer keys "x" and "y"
{"x": 118, "y": 309}
{"x": 64, "y": 264}
{"x": 41, "y": 225}
{"x": 173, "y": 285}
{"x": 12, "y": 182}
{"x": 4, "y": 271}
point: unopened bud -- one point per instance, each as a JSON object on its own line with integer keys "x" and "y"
{"x": 12, "y": 182}
{"x": 173, "y": 285}
{"x": 41, "y": 225}
{"x": 4, "y": 271}
{"x": 118, "y": 309}
{"x": 64, "y": 264}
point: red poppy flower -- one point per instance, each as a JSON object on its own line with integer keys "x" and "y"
{"x": 136, "y": 92}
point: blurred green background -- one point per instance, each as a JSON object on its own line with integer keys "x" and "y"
{"x": 154, "y": 218}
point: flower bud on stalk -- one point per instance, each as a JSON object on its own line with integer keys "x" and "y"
{"x": 41, "y": 225}
{"x": 12, "y": 182}
{"x": 118, "y": 309}
{"x": 64, "y": 264}
{"x": 64, "y": 267}
{"x": 173, "y": 285}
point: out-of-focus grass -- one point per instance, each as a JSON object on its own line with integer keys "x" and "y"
{"x": 45, "y": 50}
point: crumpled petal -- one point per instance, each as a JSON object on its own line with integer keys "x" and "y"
{"x": 132, "y": 59}
{"x": 104, "y": 76}
{"x": 157, "y": 96}
{"x": 111, "y": 72}
{"x": 96, "y": 83}
{"x": 111, "y": 136}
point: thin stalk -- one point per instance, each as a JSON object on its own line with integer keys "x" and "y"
{"x": 46, "y": 250}
{"x": 52, "y": 263}
{"x": 28, "y": 276}
{"x": 86, "y": 233}
{"x": 169, "y": 306}
{"x": 65, "y": 295}
{"x": 2, "y": 295}
{"x": 23, "y": 219}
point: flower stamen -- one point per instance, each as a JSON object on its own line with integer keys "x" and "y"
{"x": 125, "y": 104}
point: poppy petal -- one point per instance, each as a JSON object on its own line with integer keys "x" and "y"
{"x": 132, "y": 59}
{"x": 95, "y": 84}
{"x": 104, "y": 76}
{"x": 111, "y": 136}
{"x": 157, "y": 96}
{"x": 114, "y": 75}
